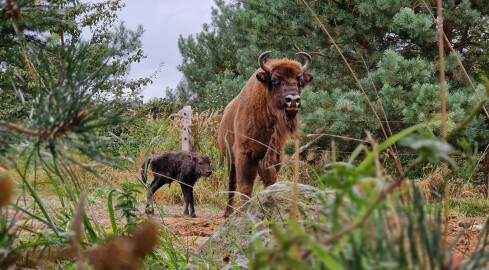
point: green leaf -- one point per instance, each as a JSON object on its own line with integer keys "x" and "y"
{"x": 390, "y": 141}
{"x": 326, "y": 258}
{"x": 111, "y": 212}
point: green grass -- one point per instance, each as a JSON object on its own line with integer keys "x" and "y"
{"x": 469, "y": 207}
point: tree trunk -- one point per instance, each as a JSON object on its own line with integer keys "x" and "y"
{"x": 485, "y": 165}
{"x": 448, "y": 30}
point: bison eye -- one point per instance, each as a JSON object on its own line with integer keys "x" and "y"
{"x": 300, "y": 82}
{"x": 275, "y": 80}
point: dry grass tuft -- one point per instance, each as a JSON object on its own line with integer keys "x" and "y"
{"x": 6, "y": 188}
{"x": 205, "y": 126}
{"x": 460, "y": 189}
{"x": 306, "y": 170}
{"x": 432, "y": 186}
{"x": 145, "y": 239}
{"x": 125, "y": 252}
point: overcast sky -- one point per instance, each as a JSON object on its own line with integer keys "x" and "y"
{"x": 164, "y": 21}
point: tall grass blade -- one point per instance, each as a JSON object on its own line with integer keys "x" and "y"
{"x": 38, "y": 201}
{"x": 110, "y": 207}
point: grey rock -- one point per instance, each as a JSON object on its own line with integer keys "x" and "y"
{"x": 230, "y": 243}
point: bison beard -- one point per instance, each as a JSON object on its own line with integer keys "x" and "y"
{"x": 184, "y": 167}
{"x": 258, "y": 122}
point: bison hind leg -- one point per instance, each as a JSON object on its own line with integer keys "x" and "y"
{"x": 158, "y": 182}
{"x": 149, "y": 204}
{"x": 232, "y": 189}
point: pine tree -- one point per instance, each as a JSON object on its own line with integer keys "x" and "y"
{"x": 391, "y": 45}
{"x": 53, "y": 28}
{"x": 54, "y": 83}
{"x": 58, "y": 92}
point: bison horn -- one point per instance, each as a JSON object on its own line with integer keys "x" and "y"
{"x": 261, "y": 60}
{"x": 307, "y": 65}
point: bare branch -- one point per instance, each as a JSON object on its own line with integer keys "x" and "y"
{"x": 46, "y": 133}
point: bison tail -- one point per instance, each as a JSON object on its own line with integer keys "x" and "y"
{"x": 144, "y": 170}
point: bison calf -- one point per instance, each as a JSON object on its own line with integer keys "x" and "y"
{"x": 181, "y": 166}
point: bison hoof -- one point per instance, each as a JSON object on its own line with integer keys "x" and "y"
{"x": 149, "y": 210}
{"x": 227, "y": 214}
{"x": 186, "y": 214}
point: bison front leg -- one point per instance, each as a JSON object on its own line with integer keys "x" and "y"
{"x": 246, "y": 174}
{"x": 269, "y": 167}
{"x": 188, "y": 196}
{"x": 270, "y": 164}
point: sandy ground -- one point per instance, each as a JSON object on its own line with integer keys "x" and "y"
{"x": 468, "y": 238}
{"x": 193, "y": 232}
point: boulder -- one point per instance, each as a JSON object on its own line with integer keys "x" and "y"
{"x": 231, "y": 242}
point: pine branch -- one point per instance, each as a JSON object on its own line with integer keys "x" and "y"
{"x": 459, "y": 62}
{"x": 46, "y": 133}
{"x": 323, "y": 27}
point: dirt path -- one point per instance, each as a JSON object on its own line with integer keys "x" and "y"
{"x": 468, "y": 239}
{"x": 193, "y": 232}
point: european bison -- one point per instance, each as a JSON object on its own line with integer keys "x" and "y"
{"x": 257, "y": 123}
{"x": 182, "y": 166}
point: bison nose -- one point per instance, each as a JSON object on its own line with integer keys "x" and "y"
{"x": 293, "y": 101}
{"x": 209, "y": 173}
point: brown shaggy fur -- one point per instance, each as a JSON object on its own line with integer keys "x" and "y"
{"x": 257, "y": 123}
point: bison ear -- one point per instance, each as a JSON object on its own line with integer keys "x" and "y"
{"x": 308, "y": 78}
{"x": 263, "y": 77}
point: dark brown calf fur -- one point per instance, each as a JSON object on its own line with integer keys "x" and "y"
{"x": 182, "y": 166}
{"x": 257, "y": 123}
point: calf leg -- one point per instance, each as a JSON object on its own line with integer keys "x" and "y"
{"x": 152, "y": 188}
{"x": 232, "y": 189}
{"x": 188, "y": 196}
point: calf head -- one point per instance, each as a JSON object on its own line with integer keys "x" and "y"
{"x": 203, "y": 165}
{"x": 285, "y": 80}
